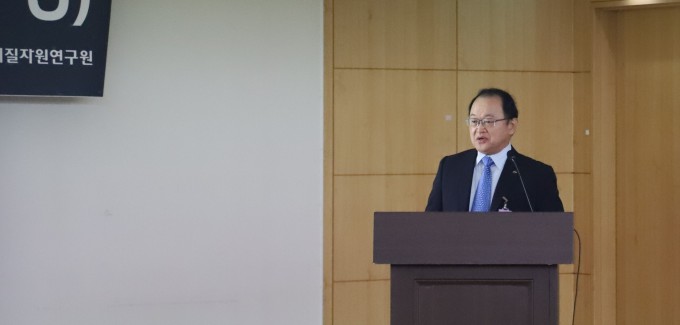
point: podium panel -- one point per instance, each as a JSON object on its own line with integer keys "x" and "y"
{"x": 480, "y": 295}
{"x": 473, "y": 268}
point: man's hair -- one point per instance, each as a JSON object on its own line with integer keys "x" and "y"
{"x": 509, "y": 106}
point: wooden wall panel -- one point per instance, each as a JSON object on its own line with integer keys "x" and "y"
{"x": 633, "y": 4}
{"x": 402, "y": 77}
{"x": 356, "y": 199}
{"x": 566, "y": 298}
{"x": 583, "y": 220}
{"x": 584, "y": 305}
{"x": 414, "y": 34}
{"x": 545, "y": 103}
{"x": 648, "y": 183}
{"x": 604, "y": 169}
{"x": 584, "y": 301}
{"x": 393, "y": 122}
{"x": 529, "y": 35}
{"x": 362, "y": 302}
{"x": 565, "y": 184}
{"x": 583, "y": 125}
{"x": 583, "y": 39}
{"x": 584, "y": 310}
{"x": 583, "y": 223}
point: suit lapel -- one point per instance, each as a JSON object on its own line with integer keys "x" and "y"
{"x": 506, "y": 182}
{"x": 505, "y": 185}
{"x": 465, "y": 179}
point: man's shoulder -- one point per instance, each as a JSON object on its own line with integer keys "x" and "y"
{"x": 533, "y": 163}
{"x": 460, "y": 156}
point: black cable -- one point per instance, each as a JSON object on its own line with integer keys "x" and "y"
{"x": 578, "y": 272}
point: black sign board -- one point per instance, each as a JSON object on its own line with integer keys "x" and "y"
{"x": 53, "y": 47}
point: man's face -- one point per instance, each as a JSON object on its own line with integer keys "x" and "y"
{"x": 490, "y": 139}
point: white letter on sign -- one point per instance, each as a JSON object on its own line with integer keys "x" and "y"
{"x": 60, "y": 12}
{"x": 57, "y": 14}
{"x": 82, "y": 14}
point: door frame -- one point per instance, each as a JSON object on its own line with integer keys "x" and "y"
{"x": 604, "y": 151}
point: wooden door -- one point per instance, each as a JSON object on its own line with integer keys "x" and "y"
{"x": 648, "y": 166}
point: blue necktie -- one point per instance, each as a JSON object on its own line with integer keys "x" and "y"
{"x": 482, "y": 199}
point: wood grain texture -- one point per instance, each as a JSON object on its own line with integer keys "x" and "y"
{"x": 362, "y": 302}
{"x": 583, "y": 220}
{"x": 393, "y": 122}
{"x": 604, "y": 169}
{"x": 648, "y": 149}
{"x": 583, "y": 35}
{"x": 401, "y": 34}
{"x": 583, "y": 122}
{"x": 356, "y": 198}
{"x": 584, "y": 302}
{"x": 525, "y": 35}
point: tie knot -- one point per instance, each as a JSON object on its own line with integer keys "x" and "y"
{"x": 487, "y": 161}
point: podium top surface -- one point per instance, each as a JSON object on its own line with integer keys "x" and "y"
{"x": 494, "y": 238}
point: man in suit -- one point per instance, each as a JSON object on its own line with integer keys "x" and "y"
{"x": 467, "y": 181}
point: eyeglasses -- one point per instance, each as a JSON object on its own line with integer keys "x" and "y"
{"x": 475, "y": 123}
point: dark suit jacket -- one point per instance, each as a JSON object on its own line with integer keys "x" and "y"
{"x": 453, "y": 183}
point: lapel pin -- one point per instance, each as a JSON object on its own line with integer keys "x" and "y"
{"x": 505, "y": 205}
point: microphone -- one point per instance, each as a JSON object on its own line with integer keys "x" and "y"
{"x": 522, "y": 181}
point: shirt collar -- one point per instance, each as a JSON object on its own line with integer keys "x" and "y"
{"x": 498, "y": 158}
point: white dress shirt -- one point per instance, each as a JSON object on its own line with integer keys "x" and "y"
{"x": 499, "y": 160}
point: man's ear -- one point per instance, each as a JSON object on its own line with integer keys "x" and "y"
{"x": 513, "y": 125}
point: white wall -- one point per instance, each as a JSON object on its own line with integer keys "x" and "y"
{"x": 191, "y": 193}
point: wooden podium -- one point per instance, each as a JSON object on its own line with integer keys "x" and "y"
{"x": 473, "y": 268}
